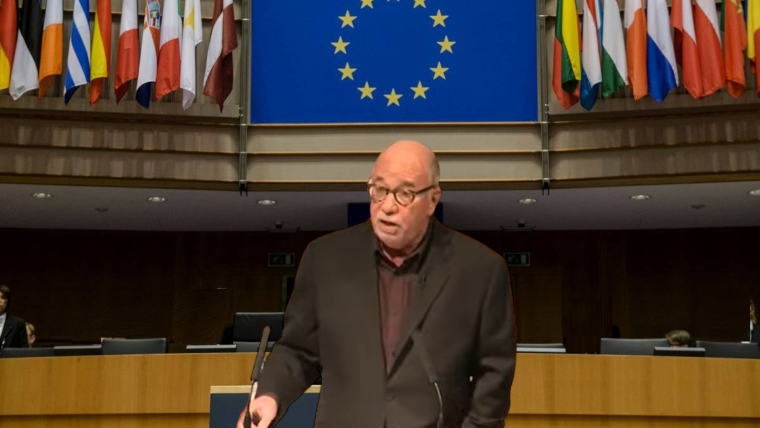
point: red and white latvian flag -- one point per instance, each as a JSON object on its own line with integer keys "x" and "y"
{"x": 217, "y": 79}
{"x": 167, "y": 75}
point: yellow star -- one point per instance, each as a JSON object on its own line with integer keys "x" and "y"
{"x": 366, "y": 91}
{"x": 347, "y": 20}
{"x": 446, "y": 45}
{"x": 366, "y": 3}
{"x": 420, "y": 90}
{"x": 347, "y": 72}
{"x": 439, "y": 71}
{"x": 340, "y": 46}
{"x": 419, "y": 3}
{"x": 393, "y": 98}
{"x": 439, "y": 19}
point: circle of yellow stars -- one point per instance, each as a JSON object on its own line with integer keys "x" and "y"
{"x": 347, "y": 72}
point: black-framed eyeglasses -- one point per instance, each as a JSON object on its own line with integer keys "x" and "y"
{"x": 404, "y": 197}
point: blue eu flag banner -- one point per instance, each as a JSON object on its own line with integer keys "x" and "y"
{"x": 385, "y": 61}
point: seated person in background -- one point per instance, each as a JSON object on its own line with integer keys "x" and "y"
{"x": 754, "y": 331}
{"x": 31, "y": 338}
{"x": 12, "y": 329}
{"x": 678, "y": 338}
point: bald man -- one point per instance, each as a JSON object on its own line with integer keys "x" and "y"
{"x": 412, "y": 322}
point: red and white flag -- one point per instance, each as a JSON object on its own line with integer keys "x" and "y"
{"x": 709, "y": 44}
{"x": 218, "y": 76}
{"x": 685, "y": 43}
{"x": 167, "y": 75}
{"x": 128, "y": 57}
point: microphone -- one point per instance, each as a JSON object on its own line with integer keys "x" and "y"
{"x": 428, "y": 367}
{"x": 2, "y": 347}
{"x": 257, "y": 365}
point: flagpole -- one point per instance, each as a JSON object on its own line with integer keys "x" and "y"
{"x": 245, "y": 90}
{"x": 543, "y": 93}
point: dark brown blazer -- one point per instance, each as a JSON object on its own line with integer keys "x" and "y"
{"x": 461, "y": 311}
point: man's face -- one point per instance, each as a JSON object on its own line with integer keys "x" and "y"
{"x": 399, "y": 227}
{"x": 3, "y": 303}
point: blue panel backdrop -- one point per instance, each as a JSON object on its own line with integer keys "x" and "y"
{"x": 357, "y": 61}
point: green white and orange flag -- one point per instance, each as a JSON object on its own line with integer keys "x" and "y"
{"x": 51, "y": 58}
{"x": 566, "y": 75}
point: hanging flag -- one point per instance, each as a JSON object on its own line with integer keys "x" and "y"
{"x": 148, "y": 52}
{"x": 8, "y": 35}
{"x": 167, "y": 77}
{"x": 662, "y": 74}
{"x": 710, "y": 48}
{"x": 566, "y": 75}
{"x": 685, "y": 45}
{"x": 128, "y": 55}
{"x": 591, "y": 56}
{"x": 192, "y": 35}
{"x": 51, "y": 58}
{"x": 636, "y": 47}
{"x": 26, "y": 60}
{"x": 732, "y": 24}
{"x": 218, "y": 76}
{"x": 78, "y": 61}
{"x": 753, "y": 39}
{"x": 614, "y": 64}
{"x": 101, "y": 49}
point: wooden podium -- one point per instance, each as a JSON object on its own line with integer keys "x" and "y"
{"x": 555, "y": 391}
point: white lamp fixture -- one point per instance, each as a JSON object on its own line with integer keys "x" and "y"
{"x": 640, "y": 197}
{"x": 42, "y": 195}
{"x": 156, "y": 199}
{"x": 267, "y": 202}
{"x": 527, "y": 201}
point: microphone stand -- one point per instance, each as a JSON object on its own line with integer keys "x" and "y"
{"x": 257, "y": 365}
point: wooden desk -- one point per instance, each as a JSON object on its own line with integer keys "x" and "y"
{"x": 157, "y": 391}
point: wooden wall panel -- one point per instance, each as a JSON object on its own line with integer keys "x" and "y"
{"x": 79, "y": 286}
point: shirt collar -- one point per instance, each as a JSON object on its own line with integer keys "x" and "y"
{"x": 2, "y": 317}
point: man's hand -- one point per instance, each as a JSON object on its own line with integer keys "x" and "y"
{"x": 266, "y": 407}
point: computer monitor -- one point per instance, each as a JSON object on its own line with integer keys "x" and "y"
{"x": 78, "y": 350}
{"x": 666, "y": 351}
{"x": 730, "y": 349}
{"x": 247, "y": 326}
{"x": 631, "y": 346}
{"x": 210, "y": 349}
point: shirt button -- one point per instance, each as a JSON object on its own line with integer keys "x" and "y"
{"x": 389, "y": 396}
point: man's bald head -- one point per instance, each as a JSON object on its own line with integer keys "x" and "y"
{"x": 408, "y": 168}
{"x": 413, "y": 151}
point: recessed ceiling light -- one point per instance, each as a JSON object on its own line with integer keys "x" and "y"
{"x": 42, "y": 195}
{"x": 156, "y": 199}
{"x": 101, "y": 210}
{"x": 698, "y": 206}
{"x": 640, "y": 197}
{"x": 527, "y": 201}
{"x": 755, "y": 192}
{"x": 267, "y": 202}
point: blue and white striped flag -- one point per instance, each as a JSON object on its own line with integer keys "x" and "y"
{"x": 78, "y": 61}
